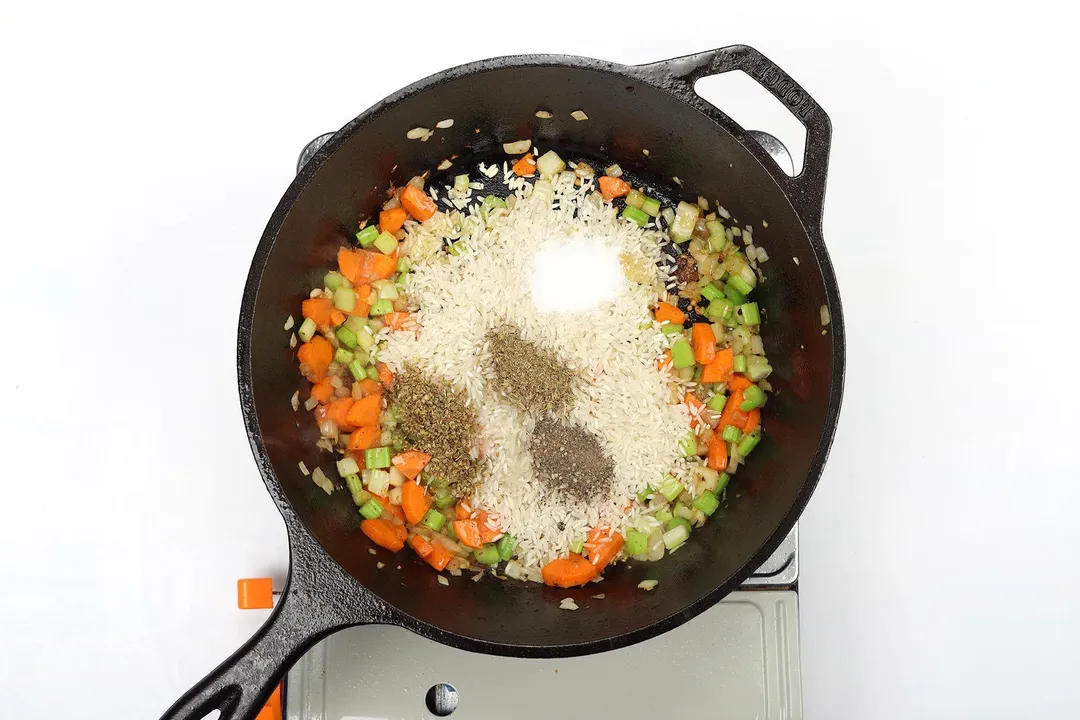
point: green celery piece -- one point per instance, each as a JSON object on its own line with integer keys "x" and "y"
{"x": 671, "y": 488}
{"x": 741, "y": 285}
{"x": 386, "y": 243}
{"x": 749, "y": 314}
{"x": 372, "y": 509}
{"x": 487, "y": 555}
{"x": 381, "y": 307}
{"x": 748, "y": 443}
{"x": 710, "y": 292}
{"x": 682, "y": 354}
{"x": 506, "y": 545}
{"x": 333, "y": 280}
{"x": 346, "y": 337}
{"x": 731, "y": 434}
{"x": 403, "y": 265}
{"x": 343, "y": 356}
{"x": 733, "y": 293}
{"x": 651, "y": 207}
{"x": 367, "y": 236}
{"x": 307, "y": 330}
{"x": 636, "y": 542}
{"x": 740, "y": 363}
{"x": 377, "y": 457}
{"x": 722, "y": 482}
{"x": 372, "y": 374}
{"x": 757, "y": 368}
{"x": 676, "y": 536}
{"x": 434, "y": 520}
{"x": 345, "y": 299}
{"x": 671, "y": 328}
{"x": 635, "y": 199}
{"x": 707, "y": 503}
{"x": 717, "y": 402}
{"x": 688, "y": 444}
{"x": 577, "y": 546}
{"x": 753, "y": 397}
{"x": 632, "y": 213}
{"x": 357, "y": 369}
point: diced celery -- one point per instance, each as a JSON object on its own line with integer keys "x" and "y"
{"x": 356, "y": 368}
{"x": 753, "y": 397}
{"x": 663, "y": 515}
{"x": 722, "y": 482}
{"x": 381, "y": 307}
{"x": 403, "y": 265}
{"x": 506, "y": 545}
{"x": 307, "y": 330}
{"x": 347, "y": 466}
{"x": 632, "y": 213}
{"x": 356, "y": 323}
{"x": 365, "y": 338}
{"x": 345, "y": 299}
{"x": 372, "y": 509}
{"x": 686, "y": 217}
{"x": 386, "y": 290}
{"x": 487, "y": 555}
{"x": 343, "y": 356}
{"x": 636, "y": 542}
{"x": 461, "y": 183}
{"x": 671, "y": 488}
{"x": 688, "y": 444}
{"x": 378, "y": 482}
{"x": 372, "y": 374}
{"x": 748, "y": 443}
{"x": 333, "y": 280}
{"x": 651, "y": 207}
{"x": 682, "y": 354}
{"x": 356, "y": 487}
{"x": 679, "y": 520}
{"x": 717, "y": 236}
{"x": 434, "y": 519}
{"x": 577, "y": 546}
{"x": 671, "y": 328}
{"x": 731, "y": 433}
{"x": 367, "y": 236}
{"x": 386, "y": 243}
{"x": 489, "y": 204}
{"x": 635, "y": 199}
{"x": 377, "y": 457}
{"x": 346, "y": 337}
{"x": 457, "y": 248}
{"x": 676, "y": 536}
{"x": 707, "y": 503}
{"x": 757, "y": 368}
{"x": 361, "y": 356}
{"x": 644, "y": 494}
{"x": 720, "y": 309}
{"x": 740, "y": 363}
{"x": 749, "y": 314}
{"x": 717, "y": 402}
{"x": 739, "y": 284}
{"x": 443, "y": 498}
{"x": 711, "y": 292}
{"x": 733, "y": 293}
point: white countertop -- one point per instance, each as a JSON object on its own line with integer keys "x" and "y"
{"x": 143, "y": 150}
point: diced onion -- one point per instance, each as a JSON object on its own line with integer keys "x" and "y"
{"x": 310, "y": 403}
{"x": 395, "y": 496}
{"x": 347, "y": 466}
{"x": 825, "y": 317}
{"x": 579, "y": 115}
{"x": 416, "y": 133}
{"x": 443, "y": 124}
{"x": 322, "y": 481}
{"x": 544, "y": 114}
{"x": 518, "y": 147}
{"x": 550, "y": 163}
{"x": 613, "y": 171}
{"x": 303, "y": 468}
{"x": 445, "y": 164}
{"x": 289, "y": 322}
{"x": 397, "y": 479}
{"x": 294, "y": 401}
{"x": 648, "y": 584}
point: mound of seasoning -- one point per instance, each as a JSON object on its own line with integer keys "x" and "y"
{"x": 529, "y": 375}
{"x": 570, "y": 459}
{"x": 435, "y": 418}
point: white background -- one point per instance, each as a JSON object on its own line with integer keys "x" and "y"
{"x": 142, "y": 149}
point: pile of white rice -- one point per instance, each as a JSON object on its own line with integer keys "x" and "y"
{"x": 624, "y": 400}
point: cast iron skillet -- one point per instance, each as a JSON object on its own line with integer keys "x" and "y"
{"x": 333, "y": 579}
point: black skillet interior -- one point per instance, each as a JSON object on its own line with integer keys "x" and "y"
{"x": 629, "y": 112}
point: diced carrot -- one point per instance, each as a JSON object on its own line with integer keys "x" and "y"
{"x": 488, "y": 525}
{"x": 336, "y": 317}
{"x": 386, "y": 375}
{"x": 703, "y": 340}
{"x": 568, "y": 571}
{"x": 383, "y": 534}
{"x": 318, "y": 310}
{"x": 370, "y": 387}
{"x": 602, "y": 546}
{"x": 732, "y": 415}
{"x": 694, "y": 405}
{"x": 316, "y": 355}
{"x": 418, "y": 203}
{"x": 365, "y": 411}
{"x": 739, "y": 382}
{"x": 396, "y": 320}
{"x": 395, "y": 510}
{"x": 462, "y": 511}
{"x": 525, "y": 166}
{"x": 665, "y": 362}
{"x": 440, "y": 557}
{"x": 349, "y": 265}
{"x": 363, "y": 306}
{"x": 322, "y": 390}
{"x": 364, "y": 266}
{"x": 667, "y": 311}
{"x": 399, "y": 523}
{"x": 717, "y": 458}
{"x": 390, "y": 221}
{"x": 721, "y": 368}
{"x": 753, "y": 420}
{"x": 468, "y": 533}
{"x": 339, "y": 412}
{"x": 410, "y": 463}
{"x": 612, "y": 187}
{"x": 364, "y": 438}
{"x": 415, "y": 501}
{"x": 422, "y": 547}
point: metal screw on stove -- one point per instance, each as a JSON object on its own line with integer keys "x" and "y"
{"x": 442, "y": 699}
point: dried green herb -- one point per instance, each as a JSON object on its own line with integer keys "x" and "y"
{"x": 529, "y": 375}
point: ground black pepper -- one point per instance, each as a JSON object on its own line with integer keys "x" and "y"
{"x": 570, "y": 459}
{"x": 530, "y": 376}
{"x": 434, "y": 418}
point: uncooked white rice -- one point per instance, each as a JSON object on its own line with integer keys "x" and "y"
{"x": 625, "y": 401}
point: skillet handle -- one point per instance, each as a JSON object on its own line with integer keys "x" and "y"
{"x": 241, "y": 685}
{"x": 807, "y": 189}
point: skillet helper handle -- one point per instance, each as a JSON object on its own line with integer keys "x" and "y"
{"x": 807, "y": 189}
{"x": 241, "y": 685}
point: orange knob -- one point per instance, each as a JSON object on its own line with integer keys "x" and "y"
{"x": 272, "y": 709}
{"x": 254, "y": 593}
